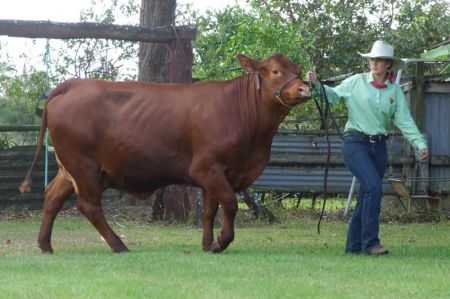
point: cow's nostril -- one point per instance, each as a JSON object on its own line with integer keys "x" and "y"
{"x": 304, "y": 92}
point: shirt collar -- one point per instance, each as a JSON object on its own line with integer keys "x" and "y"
{"x": 370, "y": 78}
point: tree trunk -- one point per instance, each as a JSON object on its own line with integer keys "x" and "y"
{"x": 154, "y": 58}
{"x": 195, "y": 196}
{"x": 257, "y": 207}
{"x": 153, "y": 62}
{"x": 158, "y": 205}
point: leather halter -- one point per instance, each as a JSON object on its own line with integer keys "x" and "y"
{"x": 276, "y": 91}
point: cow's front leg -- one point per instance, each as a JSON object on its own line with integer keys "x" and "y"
{"x": 216, "y": 185}
{"x": 210, "y": 207}
{"x": 226, "y": 236}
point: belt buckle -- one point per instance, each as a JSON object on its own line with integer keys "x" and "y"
{"x": 373, "y": 138}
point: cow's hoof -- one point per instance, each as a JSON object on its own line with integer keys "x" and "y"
{"x": 215, "y": 247}
{"x": 46, "y": 249}
{"x": 206, "y": 244}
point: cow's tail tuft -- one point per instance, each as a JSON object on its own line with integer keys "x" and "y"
{"x": 26, "y": 184}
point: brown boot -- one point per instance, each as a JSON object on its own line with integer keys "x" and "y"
{"x": 377, "y": 250}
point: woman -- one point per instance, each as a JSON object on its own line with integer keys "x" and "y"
{"x": 373, "y": 101}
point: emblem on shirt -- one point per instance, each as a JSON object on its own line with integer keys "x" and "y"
{"x": 391, "y": 101}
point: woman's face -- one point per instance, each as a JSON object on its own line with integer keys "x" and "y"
{"x": 379, "y": 66}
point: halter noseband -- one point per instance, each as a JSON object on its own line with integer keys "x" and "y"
{"x": 276, "y": 91}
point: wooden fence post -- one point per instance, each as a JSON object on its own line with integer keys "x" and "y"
{"x": 417, "y": 111}
{"x": 180, "y": 61}
{"x": 419, "y": 104}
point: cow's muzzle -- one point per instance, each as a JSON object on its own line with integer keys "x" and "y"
{"x": 278, "y": 91}
{"x": 305, "y": 92}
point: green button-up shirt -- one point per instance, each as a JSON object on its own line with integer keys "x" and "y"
{"x": 371, "y": 110}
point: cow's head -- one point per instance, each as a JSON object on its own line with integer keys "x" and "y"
{"x": 281, "y": 76}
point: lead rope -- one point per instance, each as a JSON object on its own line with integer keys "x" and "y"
{"x": 390, "y": 167}
{"x": 324, "y": 118}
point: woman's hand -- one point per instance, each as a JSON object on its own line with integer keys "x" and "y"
{"x": 311, "y": 76}
{"x": 423, "y": 154}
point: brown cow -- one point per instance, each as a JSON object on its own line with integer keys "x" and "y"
{"x": 136, "y": 137}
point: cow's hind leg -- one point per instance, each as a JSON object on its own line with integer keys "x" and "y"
{"x": 94, "y": 213}
{"x": 56, "y": 193}
{"x": 210, "y": 207}
{"x": 89, "y": 203}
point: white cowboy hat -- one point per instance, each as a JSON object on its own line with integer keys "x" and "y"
{"x": 382, "y": 49}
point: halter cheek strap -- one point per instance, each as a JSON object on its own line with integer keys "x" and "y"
{"x": 276, "y": 91}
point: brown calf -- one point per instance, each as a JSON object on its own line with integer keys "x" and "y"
{"x": 136, "y": 137}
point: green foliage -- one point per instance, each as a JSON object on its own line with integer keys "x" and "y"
{"x": 224, "y": 34}
{"x": 334, "y": 31}
{"x": 4, "y": 142}
{"x": 19, "y": 96}
{"x": 419, "y": 25}
{"x": 323, "y": 33}
{"x": 99, "y": 58}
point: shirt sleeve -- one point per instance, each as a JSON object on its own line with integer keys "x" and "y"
{"x": 403, "y": 120}
{"x": 338, "y": 94}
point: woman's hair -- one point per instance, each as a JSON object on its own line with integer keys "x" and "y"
{"x": 392, "y": 63}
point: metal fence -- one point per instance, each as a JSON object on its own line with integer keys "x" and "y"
{"x": 297, "y": 161}
{"x": 297, "y": 165}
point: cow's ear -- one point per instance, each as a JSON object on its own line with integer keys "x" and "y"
{"x": 248, "y": 64}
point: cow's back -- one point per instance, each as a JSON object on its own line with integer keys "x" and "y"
{"x": 132, "y": 134}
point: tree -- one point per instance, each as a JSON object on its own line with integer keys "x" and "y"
{"x": 153, "y": 67}
{"x": 326, "y": 34}
{"x": 153, "y": 58}
{"x": 20, "y": 94}
{"x": 99, "y": 58}
{"x": 335, "y": 30}
{"x": 224, "y": 34}
{"x": 418, "y": 26}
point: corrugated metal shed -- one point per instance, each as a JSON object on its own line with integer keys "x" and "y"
{"x": 310, "y": 179}
{"x": 298, "y": 160}
{"x": 437, "y": 118}
{"x": 297, "y": 164}
{"x": 437, "y": 128}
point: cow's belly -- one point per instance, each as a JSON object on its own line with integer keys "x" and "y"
{"x": 147, "y": 173}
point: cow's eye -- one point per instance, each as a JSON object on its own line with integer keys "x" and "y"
{"x": 275, "y": 72}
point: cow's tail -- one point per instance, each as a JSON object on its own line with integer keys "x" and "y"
{"x": 26, "y": 184}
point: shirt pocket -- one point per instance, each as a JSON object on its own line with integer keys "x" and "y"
{"x": 388, "y": 106}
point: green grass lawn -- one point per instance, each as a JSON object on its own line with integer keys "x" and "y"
{"x": 287, "y": 260}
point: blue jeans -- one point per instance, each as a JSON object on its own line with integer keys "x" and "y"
{"x": 367, "y": 161}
